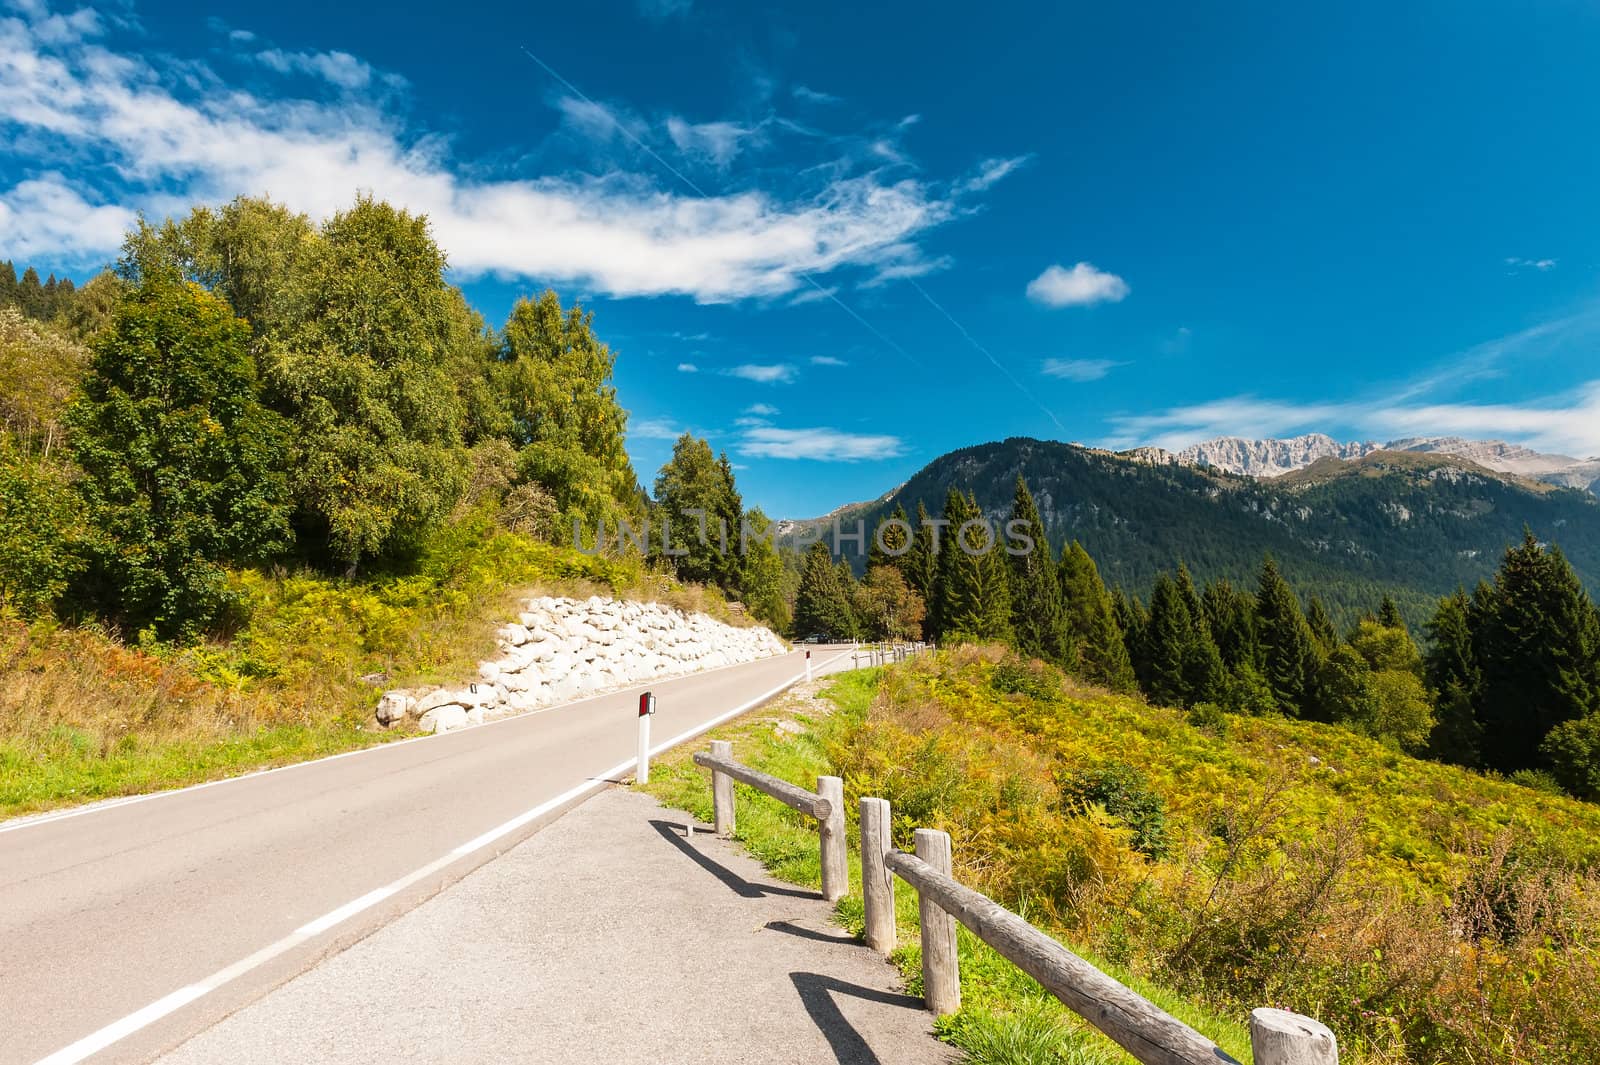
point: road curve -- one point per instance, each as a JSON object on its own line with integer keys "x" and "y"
{"x": 127, "y": 927}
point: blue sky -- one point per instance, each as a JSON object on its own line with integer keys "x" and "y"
{"x": 841, "y": 242}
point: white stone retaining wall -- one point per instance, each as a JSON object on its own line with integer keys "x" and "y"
{"x": 562, "y": 649}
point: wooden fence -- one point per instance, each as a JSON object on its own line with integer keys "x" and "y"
{"x": 1149, "y": 1033}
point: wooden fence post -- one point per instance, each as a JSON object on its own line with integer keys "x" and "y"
{"x": 941, "y": 970}
{"x": 877, "y": 882}
{"x": 835, "y": 863}
{"x": 1279, "y": 1037}
{"x": 722, "y": 790}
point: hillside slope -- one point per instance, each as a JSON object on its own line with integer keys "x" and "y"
{"x": 1413, "y": 524}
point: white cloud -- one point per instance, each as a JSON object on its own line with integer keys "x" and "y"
{"x": 991, "y": 171}
{"x": 822, "y": 444}
{"x": 688, "y": 367}
{"x": 1568, "y": 423}
{"x": 655, "y": 429}
{"x": 748, "y": 422}
{"x": 810, "y": 95}
{"x": 765, "y": 410}
{"x": 1078, "y": 369}
{"x": 1246, "y": 416}
{"x": 338, "y": 68}
{"x": 827, "y": 360}
{"x": 1080, "y": 286}
{"x": 159, "y": 144}
{"x": 1535, "y": 264}
{"x": 714, "y": 142}
{"x": 781, "y": 373}
{"x": 47, "y": 216}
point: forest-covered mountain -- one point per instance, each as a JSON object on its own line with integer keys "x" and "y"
{"x": 1414, "y": 525}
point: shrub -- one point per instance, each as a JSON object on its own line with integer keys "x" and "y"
{"x": 1033, "y": 679}
{"x": 1122, "y": 792}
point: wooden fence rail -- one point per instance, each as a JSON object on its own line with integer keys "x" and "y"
{"x": 1149, "y": 1033}
{"x": 826, "y": 804}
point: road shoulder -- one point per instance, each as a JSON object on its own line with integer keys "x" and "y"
{"x": 612, "y": 935}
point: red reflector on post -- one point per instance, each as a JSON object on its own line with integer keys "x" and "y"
{"x": 647, "y": 703}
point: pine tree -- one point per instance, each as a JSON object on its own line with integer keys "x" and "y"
{"x": 1132, "y": 619}
{"x": 1231, "y": 614}
{"x": 973, "y": 586}
{"x": 822, "y": 604}
{"x": 921, "y": 566}
{"x": 1321, "y": 625}
{"x": 1094, "y": 638}
{"x": 1203, "y": 672}
{"x": 1453, "y": 676}
{"x": 1538, "y": 644}
{"x": 1389, "y": 614}
{"x": 1289, "y": 654}
{"x": 1037, "y": 620}
{"x": 896, "y": 541}
{"x": 1165, "y": 646}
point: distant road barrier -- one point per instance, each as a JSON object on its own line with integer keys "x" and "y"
{"x": 882, "y": 654}
{"x": 1149, "y": 1033}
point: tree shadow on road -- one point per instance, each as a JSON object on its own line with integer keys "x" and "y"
{"x": 671, "y": 832}
{"x": 849, "y": 1046}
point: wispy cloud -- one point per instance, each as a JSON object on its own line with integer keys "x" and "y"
{"x": 137, "y": 134}
{"x": 1078, "y": 369}
{"x": 1084, "y": 284}
{"x": 827, "y": 360}
{"x": 337, "y": 68}
{"x": 688, "y": 367}
{"x": 713, "y": 142}
{"x": 763, "y": 410}
{"x": 1567, "y": 423}
{"x": 1534, "y": 264}
{"x": 813, "y": 295}
{"x": 992, "y": 171}
{"x": 1246, "y": 416}
{"x": 820, "y": 444}
{"x": 780, "y": 373}
{"x": 655, "y": 429}
{"x": 810, "y": 95}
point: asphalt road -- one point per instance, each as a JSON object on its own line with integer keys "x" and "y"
{"x": 127, "y": 927}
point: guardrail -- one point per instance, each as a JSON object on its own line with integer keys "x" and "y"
{"x": 883, "y": 654}
{"x": 1149, "y": 1033}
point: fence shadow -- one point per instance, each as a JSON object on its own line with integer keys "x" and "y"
{"x": 671, "y": 832}
{"x": 848, "y": 1045}
{"x": 800, "y": 931}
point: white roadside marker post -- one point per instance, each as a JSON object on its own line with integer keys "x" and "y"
{"x": 808, "y": 665}
{"x": 647, "y": 707}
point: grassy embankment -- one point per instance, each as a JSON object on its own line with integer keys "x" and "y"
{"x": 84, "y": 716}
{"x": 1426, "y": 913}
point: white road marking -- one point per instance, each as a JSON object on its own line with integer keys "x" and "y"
{"x": 143, "y": 1018}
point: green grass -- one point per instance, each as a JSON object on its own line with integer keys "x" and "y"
{"x": 1006, "y": 1017}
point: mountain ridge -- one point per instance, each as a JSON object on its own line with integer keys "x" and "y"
{"x": 1415, "y": 524}
{"x": 1277, "y": 456}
